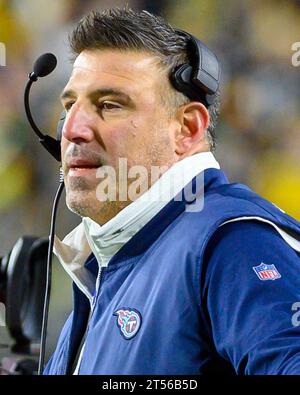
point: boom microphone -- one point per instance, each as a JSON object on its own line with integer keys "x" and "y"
{"x": 43, "y": 66}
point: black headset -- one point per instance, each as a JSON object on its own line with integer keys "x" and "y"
{"x": 199, "y": 79}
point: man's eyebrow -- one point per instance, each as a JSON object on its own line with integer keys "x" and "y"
{"x": 69, "y": 93}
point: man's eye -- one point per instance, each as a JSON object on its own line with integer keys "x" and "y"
{"x": 68, "y": 105}
{"x": 109, "y": 106}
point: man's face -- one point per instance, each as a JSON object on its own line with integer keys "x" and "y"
{"x": 114, "y": 110}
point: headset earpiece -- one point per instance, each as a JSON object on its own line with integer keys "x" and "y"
{"x": 181, "y": 80}
{"x": 60, "y": 126}
{"x": 200, "y": 78}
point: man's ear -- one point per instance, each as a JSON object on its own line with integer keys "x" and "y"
{"x": 194, "y": 119}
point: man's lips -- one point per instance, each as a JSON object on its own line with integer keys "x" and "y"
{"x": 83, "y": 163}
{"x": 82, "y": 166}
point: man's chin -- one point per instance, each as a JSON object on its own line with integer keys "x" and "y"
{"x": 76, "y": 209}
{"x": 99, "y": 211}
{"x": 80, "y": 204}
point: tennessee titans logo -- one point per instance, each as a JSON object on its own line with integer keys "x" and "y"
{"x": 129, "y": 322}
{"x": 266, "y": 272}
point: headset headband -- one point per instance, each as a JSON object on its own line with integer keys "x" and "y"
{"x": 200, "y": 78}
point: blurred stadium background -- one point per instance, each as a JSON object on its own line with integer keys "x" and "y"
{"x": 258, "y": 139}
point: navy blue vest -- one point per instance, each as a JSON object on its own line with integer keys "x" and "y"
{"x": 156, "y": 279}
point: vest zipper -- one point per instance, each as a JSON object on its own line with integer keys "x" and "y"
{"x": 97, "y": 288}
{"x": 94, "y": 301}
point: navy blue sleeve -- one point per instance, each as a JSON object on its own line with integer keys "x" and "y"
{"x": 252, "y": 293}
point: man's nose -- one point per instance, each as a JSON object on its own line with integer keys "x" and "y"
{"x": 79, "y": 125}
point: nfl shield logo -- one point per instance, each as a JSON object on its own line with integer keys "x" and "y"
{"x": 129, "y": 322}
{"x": 266, "y": 272}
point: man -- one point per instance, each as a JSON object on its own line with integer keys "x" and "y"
{"x": 166, "y": 280}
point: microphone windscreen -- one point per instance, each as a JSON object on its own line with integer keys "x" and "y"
{"x": 45, "y": 64}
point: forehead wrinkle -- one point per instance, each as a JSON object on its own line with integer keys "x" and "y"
{"x": 108, "y": 87}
